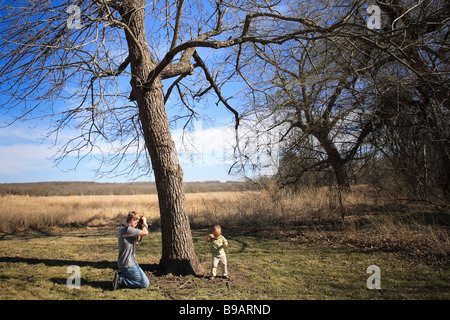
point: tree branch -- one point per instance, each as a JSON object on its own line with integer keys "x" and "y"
{"x": 210, "y": 79}
{"x": 176, "y": 31}
{"x": 184, "y": 66}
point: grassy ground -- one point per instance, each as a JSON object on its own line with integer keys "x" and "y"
{"x": 34, "y": 265}
{"x": 282, "y": 246}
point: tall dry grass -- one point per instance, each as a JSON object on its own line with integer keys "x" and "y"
{"x": 278, "y": 207}
{"x": 258, "y": 208}
{"x": 20, "y": 213}
{"x": 271, "y": 206}
{"x": 372, "y": 219}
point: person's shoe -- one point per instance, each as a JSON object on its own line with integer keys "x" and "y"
{"x": 116, "y": 280}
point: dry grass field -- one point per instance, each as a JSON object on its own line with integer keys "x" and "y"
{"x": 21, "y": 213}
{"x": 302, "y": 246}
{"x": 267, "y": 207}
{"x": 372, "y": 219}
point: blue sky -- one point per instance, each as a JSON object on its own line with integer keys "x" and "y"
{"x": 26, "y": 157}
{"x": 205, "y": 148}
{"x": 205, "y": 151}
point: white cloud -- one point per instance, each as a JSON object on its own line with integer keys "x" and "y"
{"x": 20, "y": 131}
{"x": 204, "y": 147}
{"x": 216, "y": 146}
{"x": 20, "y": 158}
{"x": 23, "y": 152}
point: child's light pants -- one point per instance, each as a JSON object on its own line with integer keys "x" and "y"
{"x": 216, "y": 260}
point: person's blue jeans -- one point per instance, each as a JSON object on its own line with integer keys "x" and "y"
{"x": 134, "y": 277}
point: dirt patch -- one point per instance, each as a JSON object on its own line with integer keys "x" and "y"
{"x": 201, "y": 287}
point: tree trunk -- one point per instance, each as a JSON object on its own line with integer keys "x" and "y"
{"x": 178, "y": 255}
{"x": 336, "y": 161}
{"x": 340, "y": 173}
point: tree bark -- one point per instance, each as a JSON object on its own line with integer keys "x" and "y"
{"x": 178, "y": 255}
{"x": 337, "y": 162}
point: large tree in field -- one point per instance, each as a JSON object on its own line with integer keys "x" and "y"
{"x": 316, "y": 93}
{"x": 329, "y": 94}
{"x": 97, "y": 67}
{"x": 320, "y": 103}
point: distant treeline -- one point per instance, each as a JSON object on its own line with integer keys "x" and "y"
{"x": 66, "y": 188}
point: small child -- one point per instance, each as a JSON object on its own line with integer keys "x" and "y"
{"x": 218, "y": 242}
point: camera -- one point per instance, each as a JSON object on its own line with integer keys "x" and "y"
{"x": 140, "y": 225}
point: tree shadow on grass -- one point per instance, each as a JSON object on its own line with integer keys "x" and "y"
{"x": 103, "y": 264}
{"x": 61, "y": 263}
{"x": 104, "y": 285}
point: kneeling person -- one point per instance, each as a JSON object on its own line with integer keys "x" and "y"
{"x": 130, "y": 275}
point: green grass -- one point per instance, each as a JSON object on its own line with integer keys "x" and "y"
{"x": 34, "y": 266}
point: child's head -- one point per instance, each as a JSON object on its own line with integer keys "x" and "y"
{"x": 216, "y": 230}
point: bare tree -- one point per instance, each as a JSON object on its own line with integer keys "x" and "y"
{"x": 326, "y": 93}
{"x": 414, "y": 93}
{"x": 314, "y": 92}
{"x": 98, "y": 68}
